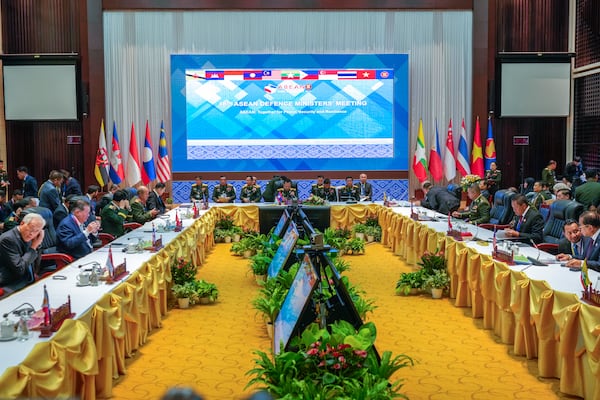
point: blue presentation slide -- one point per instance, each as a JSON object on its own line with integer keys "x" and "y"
{"x": 289, "y": 112}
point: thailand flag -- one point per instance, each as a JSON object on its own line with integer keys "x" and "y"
{"x": 346, "y": 74}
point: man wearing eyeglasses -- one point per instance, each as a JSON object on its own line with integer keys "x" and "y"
{"x": 573, "y": 244}
{"x": 589, "y": 223}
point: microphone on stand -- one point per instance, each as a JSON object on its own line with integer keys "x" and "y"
{"x": 537, "y": 248}
{"x": 92, "y": 263}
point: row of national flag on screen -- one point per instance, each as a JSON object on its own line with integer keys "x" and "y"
{"x": 109, "y": 167}
{"x": 452, "y": 161}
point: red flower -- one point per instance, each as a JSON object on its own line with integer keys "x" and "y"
{"x": 337, "y": 366}
{"x": 312, "y": 352}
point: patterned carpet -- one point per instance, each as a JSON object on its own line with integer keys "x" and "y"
{"x": 209, "y": 348}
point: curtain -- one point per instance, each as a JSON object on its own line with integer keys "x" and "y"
{"x": 138, "y": 46}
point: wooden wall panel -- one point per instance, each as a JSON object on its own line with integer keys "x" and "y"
{"x": 529, "y": 26}
{"x": 41, "y": 26}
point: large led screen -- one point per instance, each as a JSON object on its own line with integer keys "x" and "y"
{"x": 290, "y": 112}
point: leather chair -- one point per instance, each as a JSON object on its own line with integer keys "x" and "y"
{"x": 553, "y": 228}
{"x": 105, "y": 238}
{"x": 574, "y": 210}
{"x": 501, "y": 212}
{"x": 130, "y": 226}
{"x": 59, "y": 259}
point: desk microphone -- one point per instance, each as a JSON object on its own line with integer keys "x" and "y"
{"x": 537, "y": 248}
{"x": 92, "y": 263}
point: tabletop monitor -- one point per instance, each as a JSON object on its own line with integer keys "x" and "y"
{"x": 308, "y": 227}
{"x": 295, "y": 314}
{"x": 285, "y": 249}
{"x": 281, "y": 225}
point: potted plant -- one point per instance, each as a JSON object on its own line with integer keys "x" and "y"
{"x": 437, "y": 282}
{"x": 431, "y": 262}
{"x": 355, "y": 246}
{"x": 183, "y": 271}
{"x": 359, "y": 231}
{"x": 207, "y": 292}
{"x": 269, "y": 303}
{"x": 236, "y": 233}
{"x": 410, "y": 282}
{"x": 185, "y": 294}
{"x": 259, "y": 264}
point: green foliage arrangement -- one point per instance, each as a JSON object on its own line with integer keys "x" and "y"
{"x": 335, "y": 364}
{"x": 183, "y": 271}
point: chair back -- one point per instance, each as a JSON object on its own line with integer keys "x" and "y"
{"x": 502, "y": 212}
{"x": 545, "y": 211}
{"x": 553, "y": 228}
{"x": 574, "y": 210}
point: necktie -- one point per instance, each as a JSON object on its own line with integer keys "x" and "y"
{"x": 575, "y": 249}
{"x": 362, "y": 190}
{"x": 519, "y": 223}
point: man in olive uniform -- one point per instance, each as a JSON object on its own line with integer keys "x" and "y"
{"x": 478, "y": 212}
{"x": 493, "y": 176}
{"x": 549, "y": 174}
{"x": 288, "y": 193}
{"x": 350, "y": 192}
{"x": 3, "y": 177}
{"x": 250, "y": 191}
{"x": 317, "y": 189}
{"x": 223, "y": 192}
{"x": 199, "y": 190}
{"x": 541, "y": 194}
{"x": 329, "y": 193}
{"x": 116, "y": 213}
{"x": 139, "y": 211}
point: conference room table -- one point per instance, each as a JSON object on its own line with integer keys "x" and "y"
{"x": 536, "y": 310}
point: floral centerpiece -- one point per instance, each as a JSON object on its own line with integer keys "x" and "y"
{"x": 468, "y": 180}
{"x": 183, "y": 271}
{"x": 431, "y": 262}
{"x": 314, "y": 201}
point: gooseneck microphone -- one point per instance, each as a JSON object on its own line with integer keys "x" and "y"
{"x": 92, "y": 263}
{"x": 537, "y": 248}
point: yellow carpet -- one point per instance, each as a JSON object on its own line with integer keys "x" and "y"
{"x": 209, "y": 348}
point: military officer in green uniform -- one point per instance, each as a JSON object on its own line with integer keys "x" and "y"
{"x": 329, "y": 193}
{"x": 350, "y": 192}
{"x": 199, "y": 190}
{"x": 250, "y": 191}
{"x": 3, "y": 178}
{"x": 223, "y": 192}
{"x": 317, "y": 189}
{"x": 478, "y": 212}
{"x": 288, "y": 193}
{"x": 139, "y": 211}
{"x": 116, "y": 213}
{"x": 493, "y": 176}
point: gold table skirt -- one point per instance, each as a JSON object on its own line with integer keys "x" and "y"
{"x": 86, "y": 354}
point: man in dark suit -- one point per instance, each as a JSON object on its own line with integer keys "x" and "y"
{"x": 155, "y": 200}
{"x": 49, "y": 195}
{"x": 30, "y": 186}
{"x": 19, "y": 255}
{"x": 72, "y": 236}
{"x": 438, "y": 199}
{"x": 589, "y": 223}
{"x": 573, "y": 243}
{"x": 366, "y": 190}
{"x": 527, "y": 224}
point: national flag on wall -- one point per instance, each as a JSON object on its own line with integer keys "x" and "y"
{"x": 490, "y": 147}
{"x": 133, "y": 162}
{"x": 101, "y": 165}
{"x": 163, "y": 166}
{"x": 117, "y": 173}
{"x": 148, "y": 172}
{"x": 419, "y": 158}
{"x": 435, "y": 158}
{"x": 462, "y": 160}
{"x": 476, "y": 152}
{"x": 449, "y": 159}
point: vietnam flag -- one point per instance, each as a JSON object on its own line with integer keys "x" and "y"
{"x": 420, "y": 161}
{"x": 476, "y": 153}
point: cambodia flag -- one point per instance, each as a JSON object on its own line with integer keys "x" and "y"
{"x": 116, "y": 172}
